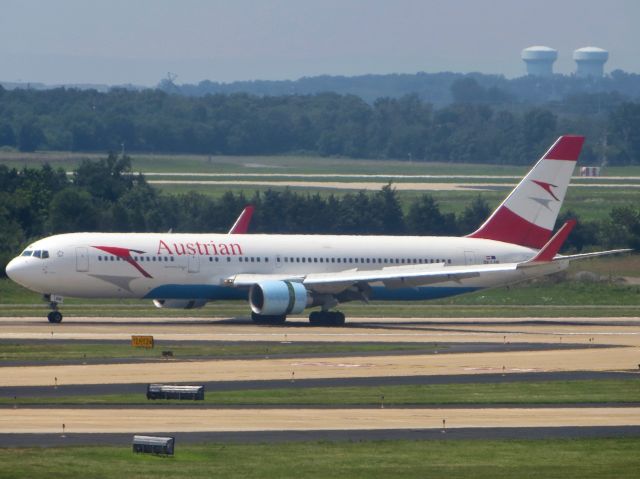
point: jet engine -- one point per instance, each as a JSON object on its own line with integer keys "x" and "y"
{"x": 274, "y": 298}
{"x": 179, "y": 303}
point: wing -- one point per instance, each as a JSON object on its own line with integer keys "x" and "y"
{"x": 546, "y": 260}
{"x": 391, "y": 277}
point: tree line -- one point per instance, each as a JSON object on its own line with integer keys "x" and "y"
{"x": 105, "y": 196}
{"x": 439, "y": 89}
{"x": 475, "y": 129}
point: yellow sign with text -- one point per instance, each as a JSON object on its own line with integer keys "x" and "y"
{"x": 142, "y": 341}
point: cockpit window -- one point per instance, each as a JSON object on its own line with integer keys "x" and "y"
{"x": 45, "y": 254}
{"x": 37, "y": 253}
{"x": 27, "y": 252}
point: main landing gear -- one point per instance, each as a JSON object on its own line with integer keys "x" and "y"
{"x": 317, "y": 318}
{"x": 268, "y": 319}
{"x": 54, "y": 316}
{"x": 326, "y": 318}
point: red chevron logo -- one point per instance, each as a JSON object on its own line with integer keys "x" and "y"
{"x": 547, "y": 187}
{"x": 125, "y": 255}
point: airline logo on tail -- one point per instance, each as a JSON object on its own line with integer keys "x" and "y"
{"x": 546, "y": 187}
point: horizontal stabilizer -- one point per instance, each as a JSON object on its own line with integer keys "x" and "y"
{"x": 550, "y": 250}
{"x": 594, "y": 254}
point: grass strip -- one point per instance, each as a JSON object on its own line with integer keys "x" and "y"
{"x": 558, "y": 458}
{"x": 90, "y": 351}
{"x": 516, "y": 393}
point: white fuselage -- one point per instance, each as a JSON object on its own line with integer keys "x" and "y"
{"x": 195, "y": 266}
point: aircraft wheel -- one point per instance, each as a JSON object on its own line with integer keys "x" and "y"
{"x": 338, "y": 319}
{"x": 327, "y": 318}
{"x": 54, "y": 317}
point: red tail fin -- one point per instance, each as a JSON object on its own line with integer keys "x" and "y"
{"x": 241, "y": 226}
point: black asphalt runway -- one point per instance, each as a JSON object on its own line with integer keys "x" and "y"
{"x": 141, "y": 388}
{"x": 269, "y": 437}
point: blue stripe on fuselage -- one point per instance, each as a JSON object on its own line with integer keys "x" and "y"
{"x": 196, "y": 291}
{"x": 379, "y": 293}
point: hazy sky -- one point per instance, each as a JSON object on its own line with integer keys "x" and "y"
{"x": 139, "y": 41}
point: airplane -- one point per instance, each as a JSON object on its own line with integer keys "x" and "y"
{"x": 281, "y": 275}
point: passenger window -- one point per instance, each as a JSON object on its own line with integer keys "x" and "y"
{"x": 228, "y": 259}
{"x": 210, "y": 259}
{"x": 99, "y": 258}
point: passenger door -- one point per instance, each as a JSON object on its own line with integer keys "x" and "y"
{"x": 82, "y": 260}
{"x": 469, "y": 257}
{"x": 194, "y": 264}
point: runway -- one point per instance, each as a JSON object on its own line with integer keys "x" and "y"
{"x": 156, "y": 420}
{"x": 373, "y": 185}
{"x": 488, "y": 350}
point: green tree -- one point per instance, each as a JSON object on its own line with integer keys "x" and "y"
{"x": 425, "y": 218}
{"x": 72, "y": 210}
{"x": 30, "y": 137}
{"x": 473, "y": 215}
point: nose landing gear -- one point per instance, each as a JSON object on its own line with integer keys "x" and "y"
{"x": 54, "y": 316}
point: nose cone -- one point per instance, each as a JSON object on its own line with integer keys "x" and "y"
{"x": 17, "y": 270}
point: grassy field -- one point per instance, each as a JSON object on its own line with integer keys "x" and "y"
{"x": 169, "y": 163}
{"x": 516, "y": 394}
{"x": 264, "y": 164}
{"x": 583, "y": 459}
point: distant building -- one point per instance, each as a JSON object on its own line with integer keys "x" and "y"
{"x": 539, "y": 60}
{"x": 590, "y": 61}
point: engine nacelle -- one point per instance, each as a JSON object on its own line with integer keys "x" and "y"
{"x": 179, "y": 303}
{"x": 275, "y": 298}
